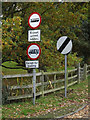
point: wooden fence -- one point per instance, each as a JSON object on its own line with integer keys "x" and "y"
{"x": 46, "y": 82}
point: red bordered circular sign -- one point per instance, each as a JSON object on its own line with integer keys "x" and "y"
{"x": 34, "y": 20}
{"x": 33, "y": 51}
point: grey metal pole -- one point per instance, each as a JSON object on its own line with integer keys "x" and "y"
{"x": 65, "y": 75}
{"x": 34, "y": 87}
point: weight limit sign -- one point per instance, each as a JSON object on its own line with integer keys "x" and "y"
{"x": 34, "y": 20}
{"x": 64, "y": 45}
{"x": 33, "y": 51}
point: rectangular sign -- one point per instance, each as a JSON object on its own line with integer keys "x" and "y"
{"x": 34, "y": 35}
{"x": 32, "y": 64}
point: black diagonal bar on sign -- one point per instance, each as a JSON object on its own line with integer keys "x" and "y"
{"x": 64, "y": 45}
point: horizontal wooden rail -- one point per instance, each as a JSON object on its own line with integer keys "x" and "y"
{"x": 20, "y": 75}
{"x": 75, "y": 76}
{"x": 72, "y": 83}
{"x": 88, "y": 71}
{"x": 72, "y": 70}
{"x": 52, "y": 73}
{"x": 81, "y": 68}
{"x": 88, "y": 65}
{"x": 53, "y": 90}
{"x": 23, "y": 96}
{"x": 37, "y": 74}
{"x": 23, "y": 87}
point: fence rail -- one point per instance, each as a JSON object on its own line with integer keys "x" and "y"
{"x": 20, "y": 75}
{"x": 45, "y": 84}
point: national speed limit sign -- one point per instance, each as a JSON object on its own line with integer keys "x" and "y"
{"x": 64, "y": 45}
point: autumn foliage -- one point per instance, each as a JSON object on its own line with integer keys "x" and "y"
{"x": 58, "y": 19}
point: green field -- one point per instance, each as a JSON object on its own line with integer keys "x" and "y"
{"x": 9, "y": 70}
{"x": 54, "y": 104}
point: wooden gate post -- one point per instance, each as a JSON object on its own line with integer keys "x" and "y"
{"x": 78, "y": 72}
{"x": 85, "y": 71}
{"x": 42, "y": 83}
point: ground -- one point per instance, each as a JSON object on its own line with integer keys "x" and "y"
{"x": 84, "y": 113}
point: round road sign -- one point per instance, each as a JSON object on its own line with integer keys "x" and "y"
{"x": 34, "y": 20}
{"x": 33, "y": 51}
{"x": 64, "y": 45}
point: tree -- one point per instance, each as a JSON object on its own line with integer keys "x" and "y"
{"x": 57, "y": 20}
{"x": 12, "y": 31}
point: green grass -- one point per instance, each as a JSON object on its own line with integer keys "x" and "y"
{"x": 52, "y": 104}
{"x": 11, "y": 64}
{"x": 6, "y": 71}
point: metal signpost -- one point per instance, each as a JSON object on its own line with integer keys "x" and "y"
{"x": 34, "y": 88}
{"x": 33, "y": 50}
{"x": 64, "y": 46}
{"x": 65, "y": 75}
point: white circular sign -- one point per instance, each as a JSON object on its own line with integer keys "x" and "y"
{"x": 64, "y": 45}
{"x": 34, "y": 20}
{"x": 33, "y": 51}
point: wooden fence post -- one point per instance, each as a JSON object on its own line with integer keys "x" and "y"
{"x": 85, "y": 71}
{"x": 42, "y": 83}
{"x": 55, "y": 81}
{"x": 78, "y": 72}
